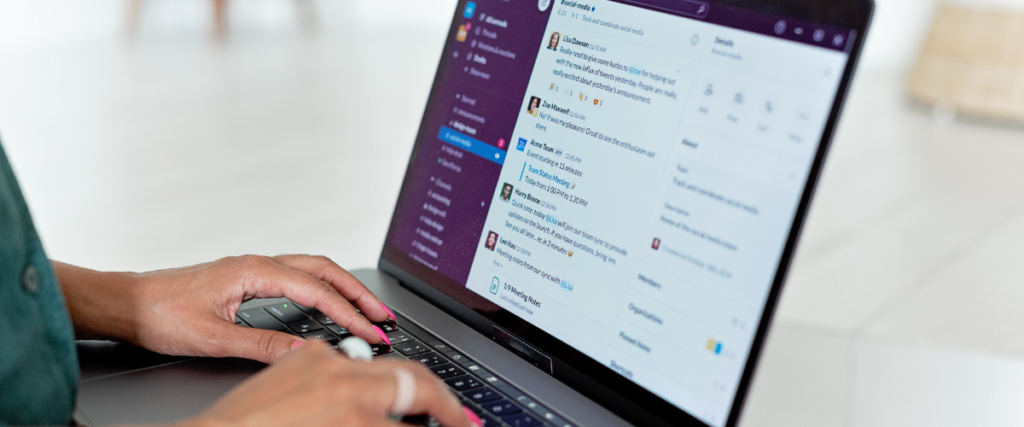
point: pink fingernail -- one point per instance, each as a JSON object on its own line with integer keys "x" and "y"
{"x": 297, "y": 344}
{"x": 390, "y": 314}
{"x": 382, "y": 335}
{"x": 472, "y": 417}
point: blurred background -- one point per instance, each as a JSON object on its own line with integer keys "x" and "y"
{"x": 159, "y": 141}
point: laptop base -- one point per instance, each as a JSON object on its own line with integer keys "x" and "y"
{"x": 122, "y": 384}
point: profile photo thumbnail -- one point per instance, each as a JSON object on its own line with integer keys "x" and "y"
{"x": 492, "y": 240}
{"x": 533, "y": 108}
{"x": 553, "y": 40}
{"x": 506, "y": 192}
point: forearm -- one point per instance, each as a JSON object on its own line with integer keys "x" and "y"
{"x": 102, "y": 305}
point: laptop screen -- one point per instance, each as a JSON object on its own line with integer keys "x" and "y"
{"x": 621, "y": 175}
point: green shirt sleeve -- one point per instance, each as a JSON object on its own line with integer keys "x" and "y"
{"x": 38, "y": 361}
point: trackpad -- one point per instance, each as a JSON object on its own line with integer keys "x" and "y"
{"x": 161, "y": 394}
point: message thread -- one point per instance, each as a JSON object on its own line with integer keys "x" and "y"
{"x": 623, "y": 178}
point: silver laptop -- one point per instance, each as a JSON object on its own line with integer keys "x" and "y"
{"x": 596, "y": 221}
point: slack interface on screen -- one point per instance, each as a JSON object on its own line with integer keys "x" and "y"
{"x": 622, "y": 178}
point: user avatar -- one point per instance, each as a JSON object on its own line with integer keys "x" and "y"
{"x": 534, "y": 107}
{"x": 553, "y": 41}
{"x": 506, "y": 192}
{"x": 656, "y": 244}
{"x": 492, "y": 240}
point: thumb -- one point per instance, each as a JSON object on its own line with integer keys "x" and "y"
{"x": 255, "y": 344}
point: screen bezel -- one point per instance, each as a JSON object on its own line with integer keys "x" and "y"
{"x": 584, "y": 374}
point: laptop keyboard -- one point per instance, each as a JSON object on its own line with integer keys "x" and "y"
{"x": 497, "y": 402}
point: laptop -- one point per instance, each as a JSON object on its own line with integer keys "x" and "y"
{"x": 596, "y": 221}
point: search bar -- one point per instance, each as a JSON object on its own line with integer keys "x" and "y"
{"x": 690, "y": 8}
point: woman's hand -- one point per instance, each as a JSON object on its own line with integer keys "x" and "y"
{"x": 191, "y": 311}
{"x": 314, "y": 386}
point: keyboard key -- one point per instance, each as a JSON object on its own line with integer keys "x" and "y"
{"x": 477, "y": 370}
{"x": 552, "y": 419}
{"x": 477, "y": 410}
{"x": 379, "y": 349}
{"x": 488, "y": 420}
{"x": 535, "y": 407}
{"x": 321, "y": 335}
{"x": 484, "y": 374}
{"x": 442, "y": 347}
{"x": 286, "y": 312}
{"x": 447, "y": 370}
{"x": 524, "y": 400}
{"x": 398, "y": 337}
{"x": 543, "y": 412}
{"x": 308, "y": 310}
{"x": 504, "y": 387}
{"x": 502, "y": 407}
{"x": 411, "y": 348}
{"x": 521, "y": 420}
{"x": 458, "y": 358}
{"x": 464, "y": 382}
{"x": 429, "y": 359}
{"x": 468, "y": 404}
{"x": 387, "y": 326}
{"x": 389, "y": 356}
{"x": 260, "y": 319}
{"x": 303, "y": 326}
{"x": 418, "y": 333}
{"x": 322, "y": 318}
{"x": 339, "y": 331}
{"x": 485, "y": 417}
{"x": 481, "y": 395}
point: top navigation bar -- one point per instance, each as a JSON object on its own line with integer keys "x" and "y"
{"x": 823, "y": 36}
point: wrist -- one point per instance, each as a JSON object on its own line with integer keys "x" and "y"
{"x": 102, "y": 305}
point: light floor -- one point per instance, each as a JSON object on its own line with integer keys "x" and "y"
{"x": 903, "y": 306}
